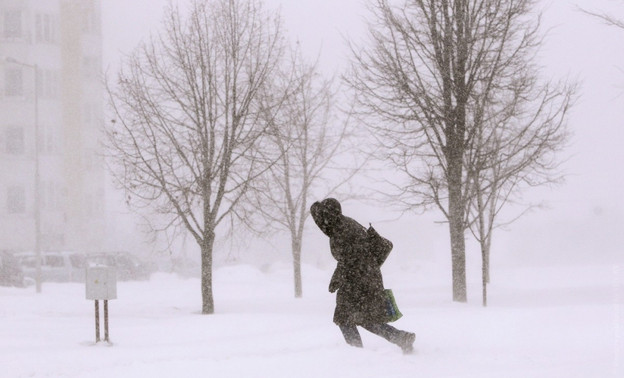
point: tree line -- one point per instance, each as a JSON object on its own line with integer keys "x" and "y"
{"x": 219, "y": 120}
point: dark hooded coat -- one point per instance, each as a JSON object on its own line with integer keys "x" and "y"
{"x": 360, "y": 298}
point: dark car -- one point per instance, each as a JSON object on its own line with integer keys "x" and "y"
{"x": 11, "y": 273}
{"x": 127, "y": 266}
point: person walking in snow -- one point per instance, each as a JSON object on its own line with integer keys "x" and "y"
{"x": 360, "y": 297}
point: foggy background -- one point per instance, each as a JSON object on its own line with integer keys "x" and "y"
{"x": 556, "y": 305}
{"x": 582, "y": 219}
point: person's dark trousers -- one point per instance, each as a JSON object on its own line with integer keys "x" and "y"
{"x": 351, "y": 335}
{"x": 388, "y": 332}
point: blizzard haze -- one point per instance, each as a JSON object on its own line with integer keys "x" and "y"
{"x": 582, "y": 218}
{"x": 556, "y": 300}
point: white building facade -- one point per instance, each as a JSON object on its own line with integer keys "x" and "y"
{"x": 51, "y": 113}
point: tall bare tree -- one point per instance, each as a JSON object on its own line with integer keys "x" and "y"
{"x": 309, "y": 135}
{"x": 187, "y": 139}
{"x": 436, "y": 72}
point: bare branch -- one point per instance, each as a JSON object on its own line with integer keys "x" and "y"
{"x": 606, "y": 18}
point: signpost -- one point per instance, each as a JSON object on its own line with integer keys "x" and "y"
{"x": 101, "y": 284}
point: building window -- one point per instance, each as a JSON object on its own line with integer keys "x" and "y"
{"x": 53, "y": 84}
{"x": 50, "y": 196}
{"x": 53, "y": 199}
{"x": 13, "y": 82}
{"x": 89, "y": 204}
{"x": 12, "y": 24}
{"x": 48, "y": 84}
{"x": 16, "y": 200}
{"x": 45, "y": 26}
{"x": 48, "y": 139}
{"x": 49, "y": 143}
{"x": 39, "y": 27}
{"x": 90, "y": 22}
{"x": 14, "y": 137}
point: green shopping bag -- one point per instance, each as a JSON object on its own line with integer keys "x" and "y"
{"x": 392, "y": 310}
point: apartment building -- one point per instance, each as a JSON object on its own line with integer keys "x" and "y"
{"x": 51, "y": 111}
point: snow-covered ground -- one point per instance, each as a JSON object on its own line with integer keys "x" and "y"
{"x": 541, "y": 322}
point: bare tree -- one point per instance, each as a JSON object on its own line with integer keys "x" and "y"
{"x": 515, "y": 148}
{"x": 436, "y": 72}
{"x": 309, "y": 137}
{"x": 186, "y": 141}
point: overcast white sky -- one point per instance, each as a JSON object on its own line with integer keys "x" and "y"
{"x": 589, "y": 208}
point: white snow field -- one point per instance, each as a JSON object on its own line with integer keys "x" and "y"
{"x": 541, "y": 322}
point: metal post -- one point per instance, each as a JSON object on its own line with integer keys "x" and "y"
{"x": 37, "y": 185}
{"x": 106, "y": 321}
{"x": 97, "y": 321}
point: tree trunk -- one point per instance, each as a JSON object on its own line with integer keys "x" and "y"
{"x": 458, "y": 259}
{"x": 486, "y": 256}
{"x": 484, "y": 271}
{"x": 456, "y": 227}
{"x": 296, "y": 251}
{"x": 206, "y": 276}
{"x": 483, "y": 240}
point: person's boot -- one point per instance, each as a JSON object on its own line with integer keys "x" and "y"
{"x": 407, "y": 342}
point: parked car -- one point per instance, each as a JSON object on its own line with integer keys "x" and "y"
{"x": 127, "y": 266}
{"x": 11, "y": 273}
{"x": 55, "y": 266}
